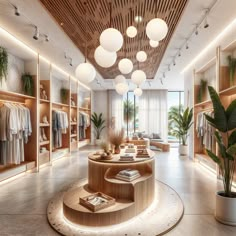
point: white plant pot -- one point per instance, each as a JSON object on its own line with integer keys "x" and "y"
{"x": 98, "y": 142}
{"x": 183, "y": 150}
{"x": 225, "y": 209}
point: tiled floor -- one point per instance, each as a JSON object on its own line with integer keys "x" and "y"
{"x": 23, "y": 202}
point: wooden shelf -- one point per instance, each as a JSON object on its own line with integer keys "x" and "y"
{"x": 73, "y": 123}
{"x": 203, "y": 104}
{"x": 44, "y": 101}
{"x": 19, "y": 95}
{"x": 85, "y": 109}
{"x": 74, "y": 107}
{"x": 44, "y": 143}
{"x": 60, "y": 104}
{"x": 73, "y": 135}
{"x": 230, "y": 47}
{"x": 229, "y": 91}
{"x": 44, "y": 125}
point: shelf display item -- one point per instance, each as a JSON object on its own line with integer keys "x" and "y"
{"x": 43, "y": 150}
{"x": 128, "y": 175}
{"x": 97, "y": 201}
{"x": 43, "y": 135}
{"x": 43, "y": 93}
{"x": 45, "y": 120}
{"x": 130, "y": 150}
{"x": 142, "y": 153}
{"x": 127, "y": 157}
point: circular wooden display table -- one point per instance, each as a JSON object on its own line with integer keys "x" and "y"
{"x": 131, "y": 197}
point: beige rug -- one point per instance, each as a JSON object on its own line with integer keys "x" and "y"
{"x": 160, "y": 217}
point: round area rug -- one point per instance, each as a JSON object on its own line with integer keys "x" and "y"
{"x": 161, "y": 216}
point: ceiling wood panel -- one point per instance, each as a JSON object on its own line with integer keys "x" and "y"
{"x": 72, "y": 14}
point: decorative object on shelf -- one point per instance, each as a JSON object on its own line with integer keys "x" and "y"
{"x": 43, "y": 135}
{"x": 85, "y": 72}
{"x": 116, "y": 138}
{"x": 128, "y": 175}
{"x": 43, "y": 94}
{"x": 232, "y": 67}
{"x": 64, "y": 95}
{"x": 107, "y": 154}
{"x": 3, "y": 64}
{"x": 111, "y": 39}
{"x": 156, "y": 28}
{"x": 45, "y": 120}
{"x": 72, "y": 102}
{"x": 202, "y": 91}
{"x": 28, "y": 84}
{"x": 183, "y": 123}
{"x": 99, "y": 125}
{"x": 104, "y": 58}
{"x": 225, "y": 135}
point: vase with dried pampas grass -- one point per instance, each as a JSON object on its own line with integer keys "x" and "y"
{"x": 116, "y": 138}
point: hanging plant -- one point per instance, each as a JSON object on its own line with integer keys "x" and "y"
{"x": 3, "y": 64}
{"x": 28, "y": 84}
{"x": 64, "y": 95}
{"x": 202, "y": 90}
{"x": 232, "y": 66}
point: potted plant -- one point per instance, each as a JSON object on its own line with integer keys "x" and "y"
{"x": 3, "y": 64}
{"x": 232, "y": 66}
{"x": 224, "y": 122}
{"x": 183, "y": 123}
{"x": 202, "y": 90}
{"x": 64, "y": 95}
{"x": 116, "y": 138}
{"x": 28, "y": 84}
{"x": 98, "y": 123}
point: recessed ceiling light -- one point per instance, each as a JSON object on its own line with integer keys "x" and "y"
{"x": 61, "y": 23}
{"x": 138, "y": 19}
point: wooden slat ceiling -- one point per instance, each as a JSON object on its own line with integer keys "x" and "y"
{"x": 72, "y": 14}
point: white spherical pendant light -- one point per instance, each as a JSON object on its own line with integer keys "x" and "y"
{"x": 111, "y": 40}
{"x": 138, "y": 77}
{"x": 153, "y": 43}
{"x": 156, "y": 29}
{"x": 104, "y": 58}
{"x": 85, "y": 72}
{"x": 122, "y": 88}
{"x": 120, "y": 79}
{"x": 131, "y": 31}
{"x": 141, "y": 56}
{"x": 138, "y": 92}
{"x": 125, "y": 66}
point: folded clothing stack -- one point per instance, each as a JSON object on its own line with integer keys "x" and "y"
{"x": 127, "y": 157}
{"x": 128, "y": 175}
{"x": 97, "y": 201}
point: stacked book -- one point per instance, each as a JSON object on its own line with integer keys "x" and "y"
{"x": 128, "y": 175}
{"x": 127, "y": 157}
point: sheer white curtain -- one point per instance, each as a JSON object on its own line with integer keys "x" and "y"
{"x": 116, "y": 110}
{"x": 152, "y": 113}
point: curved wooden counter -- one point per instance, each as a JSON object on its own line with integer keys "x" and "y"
{"x": 131, "y": 197}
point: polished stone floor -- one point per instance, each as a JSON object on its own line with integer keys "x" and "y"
{"x": 23, "y": 201}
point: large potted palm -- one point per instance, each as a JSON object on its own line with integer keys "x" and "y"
{"x": 98, "y": 123}
{"x": 224, "y": 122}
{"x": 183, "y": 123}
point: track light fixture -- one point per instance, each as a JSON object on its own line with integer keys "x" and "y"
{"x": 174, "y": 62}
{"x": 68, "y": 58}
{"x": 196, "y": 30}
{"x": 187, "y": 47}
{"x": 206, "y": 25}
{"x": 179, "y": 54}
{"x": 46, "y": 38}
{"x": 36, "y": 33}
{"x": 71, "y": 64}
{"x": 164, "y": 75}
{"x": 168, "y": 67}
{"x": 161, "y": 81}
{"x": 149, "y": 83}
{"x": 17, "y": 13}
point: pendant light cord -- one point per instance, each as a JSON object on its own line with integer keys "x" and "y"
{"x": 110, "y": 13}
{"x": 86, "y": 36}
{"x": 156, "y": 9}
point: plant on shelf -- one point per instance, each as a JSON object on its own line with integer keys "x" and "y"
{"x": 3, "y": 64}
{"x": 28, "y": 84}
{"x": 183, "y": 123}
{"x": 224, "y": 122}
{"x": 202, "y": 90}
{"x": 64, "y": 95}
{"x": 116, "y": 138}
{"x": 98, "y": 123}
{"x": 232, "y": 66}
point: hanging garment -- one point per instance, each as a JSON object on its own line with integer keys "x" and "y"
{"x": 84, "y": 123}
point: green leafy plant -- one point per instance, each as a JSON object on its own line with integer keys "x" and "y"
{"x": 202, "y": 90}
{"x": 3, "y": 63}
{"x": 28, "y": 84}
{"x": 183, "y": 123}
{"x": 129, "y": 110}
{"x": 224, "y": 122}
{"x": 64, "y": 95}
{"x": 98, "y": 123}
{"x": 232, "y": 66}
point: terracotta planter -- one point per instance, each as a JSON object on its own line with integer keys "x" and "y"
{"x": 225, "y": 209}
{"x": 183, "y": 150}
{"x": 117, "y": 150}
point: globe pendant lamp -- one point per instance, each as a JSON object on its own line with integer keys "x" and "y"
{"x": 131, "y": 31}
{"x": 141, "y": 56}
{"x": 153, "y": 43}
{"x": 138, "y": 92}
{"x": 138, "y": 77}
{"x": 85, "y": 72}
{"x": 122, "y": 88}
{"x": 156, "y": 28}
{"x": 104, "y": 58}
{"x": 125, "y": 65}
{"x": 111, "y": 39}
{"x": 120, "y": 79}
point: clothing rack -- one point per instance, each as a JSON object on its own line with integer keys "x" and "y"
{"x": 8, "y": 101}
